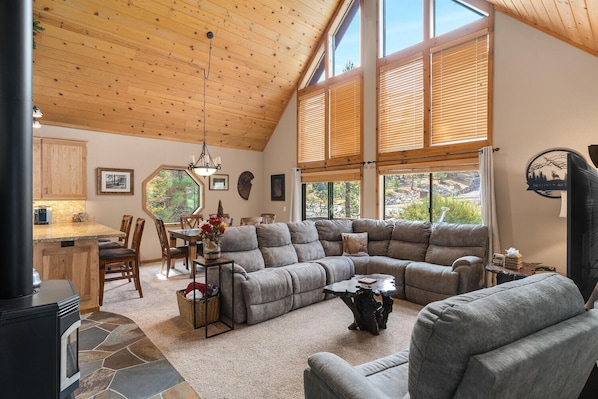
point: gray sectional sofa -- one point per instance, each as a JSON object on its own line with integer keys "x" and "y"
{"x": 284, "y": 266}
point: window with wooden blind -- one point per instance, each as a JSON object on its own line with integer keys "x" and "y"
{"x": 345, "y": 119}
{"x": 311, "y": 127}
{"x": 459, "y": 81}
{"x": 329, "y": 127}
{"x": 434, "y": 96}
{"x": 401, "y": 111}
{"x": 331, "y": 194}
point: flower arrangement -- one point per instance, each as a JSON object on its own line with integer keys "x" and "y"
{"x": 212, "y": 229}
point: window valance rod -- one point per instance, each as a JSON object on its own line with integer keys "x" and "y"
{"x": 393, "y": 161}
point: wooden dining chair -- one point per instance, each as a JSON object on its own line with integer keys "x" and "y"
{"x": 122, "y": 261}
{"x": 170, "y": 253}
{"x": 249, "y": 220}
{"x": 123, "y": 242}
{"x": 191, "y": 221}
{"x": 268, "y": 218}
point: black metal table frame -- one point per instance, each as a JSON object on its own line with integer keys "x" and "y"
{"x": 206, "y": 265}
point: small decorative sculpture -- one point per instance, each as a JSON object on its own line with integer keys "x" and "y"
{"x": 220, "y": 211}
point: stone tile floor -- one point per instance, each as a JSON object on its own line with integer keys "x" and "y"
{"x": 117, "y": 361}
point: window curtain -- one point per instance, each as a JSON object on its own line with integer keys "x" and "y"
{"x": 295, "y": 207}
{"x": 489, "y": 218}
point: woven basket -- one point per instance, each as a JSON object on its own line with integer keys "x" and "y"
{"x": 186, "y": 309}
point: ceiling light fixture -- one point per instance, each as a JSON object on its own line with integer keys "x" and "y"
{"x": 37, "y": 113}
{"x": 205, "y": 165}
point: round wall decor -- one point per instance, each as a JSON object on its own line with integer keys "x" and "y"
{"x": 547, "y": 173}
{"x": 244, "y": 184}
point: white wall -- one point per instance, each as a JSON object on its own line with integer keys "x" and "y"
{"x": 144, "y": 156}
{"x": 544, "y": 97}
{"x": 280, "y": 157}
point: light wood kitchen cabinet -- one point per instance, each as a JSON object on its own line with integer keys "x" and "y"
{"x": 75, "y": 260}
{"x": 59, "y": 169}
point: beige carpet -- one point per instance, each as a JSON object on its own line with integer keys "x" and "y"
{"x": 259, "y": 361}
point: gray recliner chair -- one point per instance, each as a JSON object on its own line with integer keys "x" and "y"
{"x": 529, "y": 338}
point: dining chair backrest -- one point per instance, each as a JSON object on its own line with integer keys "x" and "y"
{"x": 191, "y": 221}
{"x": 125, "y": 227}
{"x": 137, "y": 234}
{"x": 268, "y": 218}
{"x": 162, "y": 235}
{"x": 251, "y": 220}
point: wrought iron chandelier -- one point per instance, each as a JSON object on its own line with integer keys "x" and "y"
{"x": 206, "y": 165}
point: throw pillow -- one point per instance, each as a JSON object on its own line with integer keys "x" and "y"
{"x": 355, "y": 244}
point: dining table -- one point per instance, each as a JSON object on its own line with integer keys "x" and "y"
{"x": 191, "y": 236}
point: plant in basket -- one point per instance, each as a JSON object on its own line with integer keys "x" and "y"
{"x": 210, "y": 232}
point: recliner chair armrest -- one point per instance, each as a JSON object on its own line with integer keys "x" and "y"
{"x": 471, "y": 273}
{"x": 466, "y": 261}
{"x": 340, "y": 377}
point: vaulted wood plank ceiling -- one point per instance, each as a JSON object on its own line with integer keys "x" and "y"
{"x": 135, "y": 67}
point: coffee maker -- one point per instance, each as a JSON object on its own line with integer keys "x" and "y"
{"x": 42, "y": 215}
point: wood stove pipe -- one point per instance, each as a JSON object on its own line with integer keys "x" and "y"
{"x": 16, "y": 197}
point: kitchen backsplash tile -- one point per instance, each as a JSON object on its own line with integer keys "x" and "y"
{"x": 62, "y": 211}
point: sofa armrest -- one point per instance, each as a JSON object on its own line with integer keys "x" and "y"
{"x": 471, "y": 273}
{"x": 340, "y": 378}
{"x": 237, "y": 269}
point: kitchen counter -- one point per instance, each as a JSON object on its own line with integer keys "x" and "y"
{"x": 73, "y": 231}
{"x": 70, "y": 251}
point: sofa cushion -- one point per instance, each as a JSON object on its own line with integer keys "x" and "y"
{"x": 308, "y": 281}
{"x": 337, "y": 268}
{"x": 274, "y": 241}
{"x": 329, "y": 233}
{"x": 240, "y": 244}
{"x": 450, "y": 241}
{"x": 304, "y": 237}
{"x": 447, "y": 333}
{"x": 426, "y": 282}
{"x": 379, "y": 234}
{"x": 392, "y": 266}
{"x": 268, "y": 293}
{"x": 355, "y": 244}
{"x": 409, "y": 240}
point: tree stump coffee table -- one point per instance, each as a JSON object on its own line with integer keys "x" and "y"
{"x": 358, "y": 294}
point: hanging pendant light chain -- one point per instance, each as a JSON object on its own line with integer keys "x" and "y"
{"x": 205, "y": 165}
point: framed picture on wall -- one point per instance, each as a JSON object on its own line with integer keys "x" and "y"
{"x": 219, "y": 182}
{"x": 114, "y": 181}
{"x": 277, "y": 187}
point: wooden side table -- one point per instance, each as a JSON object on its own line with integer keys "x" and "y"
{"x": 503, "y": 274}
{"x": 205, "y": 264}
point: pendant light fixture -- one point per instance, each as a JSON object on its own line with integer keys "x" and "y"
{"x": 205, "y": 165}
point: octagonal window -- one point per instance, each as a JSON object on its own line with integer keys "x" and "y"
{"x": 172, "y": 191}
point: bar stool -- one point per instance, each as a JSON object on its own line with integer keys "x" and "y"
{"x": 122, "y": 261}
{"x": 123, "y": 242}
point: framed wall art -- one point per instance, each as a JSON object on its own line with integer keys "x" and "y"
{"x": 114, "y": 181}
{"x": 219, "y": 182}
{"x": 277, "y": 187}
